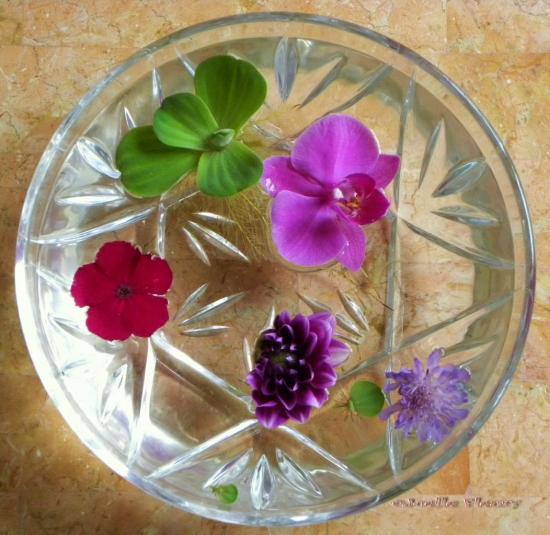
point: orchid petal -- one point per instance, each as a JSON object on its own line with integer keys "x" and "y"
{"x": 384, "y": 170}
{"x": 352, "y": 255}
{"x": 333, "y": 148}
{"x": 305, "y": 229}
{"x": 372, "y": 208}
{"x": 279, "y": 175}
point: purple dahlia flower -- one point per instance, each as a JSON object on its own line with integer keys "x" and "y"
{"x": 295, "y": 363}
{"x": 431, "y": 401}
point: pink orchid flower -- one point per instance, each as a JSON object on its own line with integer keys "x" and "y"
{"x": 331, "y": 185}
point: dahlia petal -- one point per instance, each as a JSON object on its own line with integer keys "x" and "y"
{"x": 310, "y": 344}
{"x": 339, "y": 352}
{"x": 352, "y": 255}
{"x": 152, "y": 275}
{"x": 287, "y": 334}
{"x": 271, "y": 417}
{"x": 333, "y": 148}
{"x": 117, "y": 259}
{"x": 313, "y": 397}
{"x": 323, "y": 376}
{"x": 287, "y": 397}
{"x": 300, "y": 326}
{"x": 279, "y": 175}
{"x": 305, "y": 230}
{"x": 281, "y": 319}
{"x": 108, "y": 320}
{"x": 146, "y": 313}
{"x": 263, "y": 401}
{"x": 254, "y": 380}
{"x": 384, "y": 169}
{"x": 300, "y": 413}
{"x": 324, "y": 320}
{"x": 320, "y": 351}
{"x": 91, "y": 286}
{"x": 291, "y": 380}
{"x": 305, "y": 374}
{"x": 269, "y": 387}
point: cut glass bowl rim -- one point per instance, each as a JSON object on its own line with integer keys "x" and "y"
{"x": 86, "y": 432}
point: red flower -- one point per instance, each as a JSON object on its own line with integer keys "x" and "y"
{"x": 124, "y": 290}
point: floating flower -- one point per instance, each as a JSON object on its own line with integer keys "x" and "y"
{"x": 431, "y": 401}
{"x": 330, "y": 186}
{"x": 295, "y": 367}
{"x": 124, "y": 290}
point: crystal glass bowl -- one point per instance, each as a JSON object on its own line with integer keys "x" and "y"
{"x": 451, "y": 265}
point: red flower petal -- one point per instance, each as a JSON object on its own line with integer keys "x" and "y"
{"x": 91, "y": 287}
{"x": 109, "y": 320}
{"x": 146, "y": 313}
{"x": 152, "y": 275}
{"x": 117, "y": 259}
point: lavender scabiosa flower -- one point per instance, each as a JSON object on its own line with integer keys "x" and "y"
{"x": 431, "y": 401}
{"x": 295, "y": 367}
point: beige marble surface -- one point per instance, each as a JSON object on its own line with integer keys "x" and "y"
{"x": 52, "y": 51}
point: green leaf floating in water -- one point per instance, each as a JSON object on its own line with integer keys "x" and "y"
{"x": 184, "y": 121}
{"x": 366, "y": 398}
{"x": 228, "y": 171}
{"x": 198, "y": 130}
{"x": 148, "y": 167}
{"x": 227, "y": 494}
{"x": 232, "y": 89}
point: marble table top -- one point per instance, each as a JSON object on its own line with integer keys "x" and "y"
{"x": 53, "y": 51}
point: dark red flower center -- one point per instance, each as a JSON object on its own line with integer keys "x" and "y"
{"x": 124, "y": 291}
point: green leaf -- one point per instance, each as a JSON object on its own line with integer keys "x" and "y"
{"x": 183, "y": 120}
{"x": 226, "y": 172}
{"x": 148, "y": 167}
{"x": 227, "y": 494}
{"x": 220, "y": 139}
{"x": 366, "y": 398}
{"x": 232, "y": 89}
